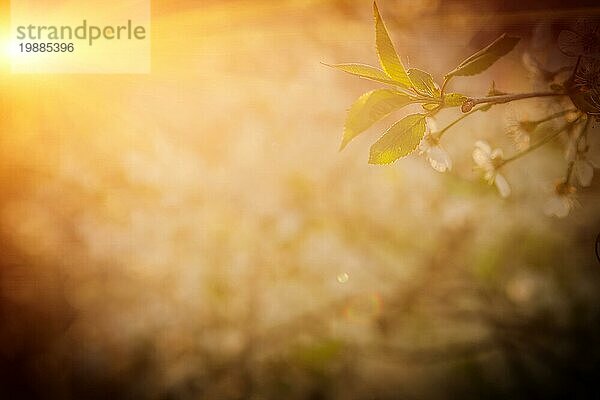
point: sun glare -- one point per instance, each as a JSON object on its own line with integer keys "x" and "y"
{"x": 12, "y": 49}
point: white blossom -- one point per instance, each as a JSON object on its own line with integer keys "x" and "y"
{"x": 434, "y": 152}
{"x": 488, "y": 161}
{"x": 519, "y": 128}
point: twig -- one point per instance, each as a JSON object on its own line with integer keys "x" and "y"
{"x": 504, "y": 98}
{"x": 538, "y": 144}
{"x": 465, "y": 115}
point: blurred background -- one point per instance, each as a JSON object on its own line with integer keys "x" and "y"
{"x": 194, "y": 233}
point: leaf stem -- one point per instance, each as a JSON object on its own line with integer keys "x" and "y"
{"x": 582, "y": 135}
{"x": 442, "y": 90}
{"x": 456, "y": 121}
{"x": 554, "y": 116}
{"x": 419, "y": 93}
{"x": 423, "y": 99}
{"x": 569, "y": 174}
{"x": 505, "y": 98}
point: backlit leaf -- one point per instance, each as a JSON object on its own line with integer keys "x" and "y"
{"x": 365, "y": 71}
{"x": 454, "y": 99}
{"x": 423, "y": 82}
{"x": 370, "y": 108}
{"x": 388, "y": 57}
{"x": 485, "y": 57}
{"x": 399, "y": 141}
{"x": 430, "y": 106}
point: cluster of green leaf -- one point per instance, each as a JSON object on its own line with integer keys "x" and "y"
{"x": 407, "y": 86}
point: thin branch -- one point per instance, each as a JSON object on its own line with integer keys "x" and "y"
{"x": 571, "y": 165}
{"x": 465, "y": 115}
{"x": 555, "y": 115}
{"x": 444, "y": 84}
{"x": 569, "y": 173}
{"x": 539, "y": 144}
{"x": 505, "y": 98}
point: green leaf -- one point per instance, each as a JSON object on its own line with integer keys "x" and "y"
{"x": 454, "y": 99}
{"x": 430, "y": 106}
{"x": 399, "y": 141}
{"x": 365, "y": 71}
{"x": 370, "y": 108}
{"x": 485, "y": 57}
{"x": 423, "y": 82}
{"x": 388, "y": 57}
